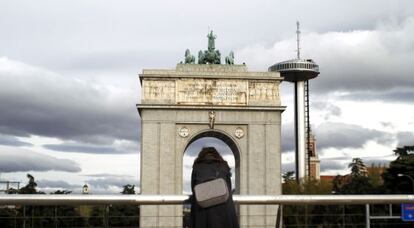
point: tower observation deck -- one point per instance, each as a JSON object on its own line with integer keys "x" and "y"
{"x": 297, "y": 69}
{"x": 300, "y": 71}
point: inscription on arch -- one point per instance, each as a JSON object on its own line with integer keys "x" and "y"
{"x": 211, "y": 92}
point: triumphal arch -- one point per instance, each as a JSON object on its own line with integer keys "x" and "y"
{"x": 225, "y": 101}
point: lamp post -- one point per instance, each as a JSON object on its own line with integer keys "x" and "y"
{"x": 405, "y": 175}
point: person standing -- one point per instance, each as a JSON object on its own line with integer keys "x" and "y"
{"x": 209, "y": 163}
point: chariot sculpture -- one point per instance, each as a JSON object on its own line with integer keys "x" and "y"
{"x": 209, "y": 56}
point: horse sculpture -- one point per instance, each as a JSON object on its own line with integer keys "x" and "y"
{"x": 200, "y": 57}
{"x": 189, "y": 58}
{"x": 230, "y": 58}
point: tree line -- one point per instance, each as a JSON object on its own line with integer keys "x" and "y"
{"x": 379, "y": 180}
{"x": 67, "y": 216}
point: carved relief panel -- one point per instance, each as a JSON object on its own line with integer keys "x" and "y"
{"x": 263, "y": 93}
{"x": 158, "y": 91}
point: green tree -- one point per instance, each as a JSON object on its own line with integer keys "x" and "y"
{"x": 13, "y": 191}
{"x": 375, "y": 177}
{"x": 128, "y": 189}
{"x": 404, "y": 164}
{"x": 403, "y": 151}
{"x": 290, "y": 186}
{"x": 337, "y": 183}
{"x": 393, "y": 184}
{"x": 358, "y": 168}
{"x": 357, "y": 182}
{"x": 288, "y": 176}
{"x": 61, "y": 192}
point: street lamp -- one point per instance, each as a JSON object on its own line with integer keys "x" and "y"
{"x": 404, "y": 175}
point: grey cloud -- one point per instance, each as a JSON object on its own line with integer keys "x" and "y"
{"x": 56, "y": 184}
{"x": 47, "y": 104}
{"x": 45, "y": 39}
{"x": 287, "y": 167}
{"x": 328, "y": 108}
{"x": 107, "y": 175}
{"x": 387, "y": 124}
{"x": 337, "y": 158}
{"x": 405, "y": 138}
{"x": 341, "y": 135}
{"x": 378, "y": 161}
{"x": 342, "y": 162}
{"x": 126, "y": 61}
{"x": 325, "y": 165}
{"x": 81, "y": 149}
{"x": 22, "y": 160}
{"x": 378, "y": 59}
{"x": 371, "y": 62}
{"x": 92, "y": 149}
{"x": 288, "y": 137}
{"x": 12, "y": 141}
{"x": 331, "y": 165}
{"x": 403, "y": 95}
{"x": 107, "y": 182}
{"x": 288, "y": 140}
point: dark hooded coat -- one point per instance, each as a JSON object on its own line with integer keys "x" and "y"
{"x": 222, "y": 215}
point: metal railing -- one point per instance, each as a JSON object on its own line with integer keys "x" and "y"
{"x": 337, "y": 210}
{"x": 180, "y": 199}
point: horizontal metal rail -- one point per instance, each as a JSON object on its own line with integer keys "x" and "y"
{"x": 21, "y": 199}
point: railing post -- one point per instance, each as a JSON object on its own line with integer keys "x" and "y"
{"x": 367, "y": 216}
{"x": 106, "y": 215}
{"x": 15, "y": 217}
{"x": 279, "y": 216}
{"x": 32, "y": 219}
{"x": 390, "y": 209}
{"x": 24, "y": 216}
{"x": 306, "y": 215}
{"x": 56, "y": 219}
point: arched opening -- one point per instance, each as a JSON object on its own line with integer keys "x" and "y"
{"x": 224, "y": 145}
{"x": 227, "y": 148}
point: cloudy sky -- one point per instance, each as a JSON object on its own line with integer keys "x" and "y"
{"x": 69, "y": 84}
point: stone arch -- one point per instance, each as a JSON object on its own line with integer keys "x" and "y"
{"x": 175, "y": 110}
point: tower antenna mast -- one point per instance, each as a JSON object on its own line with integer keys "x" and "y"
{"x": 298, "y": 39}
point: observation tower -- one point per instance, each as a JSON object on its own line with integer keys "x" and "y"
{"x": 300, "y": 71}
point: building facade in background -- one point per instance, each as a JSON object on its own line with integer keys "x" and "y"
{"x": 314, "y": 162}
